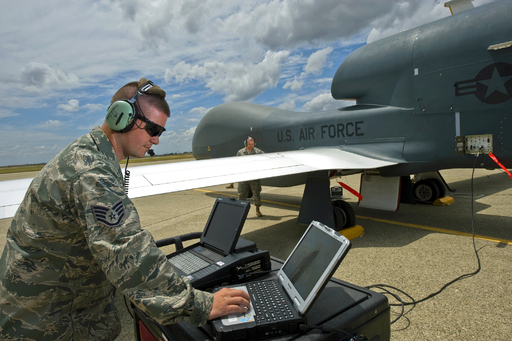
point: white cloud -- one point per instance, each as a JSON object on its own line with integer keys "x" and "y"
{"x": 194, "y": 116}
{"x": 37, "y": 78}
{"x": 317, "y": 61}
{"x": 73, "y": 105}
{"x": 315, "y": 65}
{"x": 176, "y": 141}
{"x": 288, "y": 105}
{"x": 199, "y": 111}
{"x": 294, "y": 85}
{"x": 290, "y": 23}
{"x": 323, "y": 80}
{"x": 52, "y": 124}
{"x": 7, "y": 113}
{"x": 274, "y": 24}
{"x": 94, "y": 107}
{"x": 236, "y": 81}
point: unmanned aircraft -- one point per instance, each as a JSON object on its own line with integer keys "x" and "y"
{"x": 427, "y": 99}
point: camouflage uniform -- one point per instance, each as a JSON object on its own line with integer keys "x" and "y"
{"x": 75, "y": 237}
{"x": 245, "y": 187}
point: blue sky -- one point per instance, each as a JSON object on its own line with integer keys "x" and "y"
{"x": 61, "y": 61}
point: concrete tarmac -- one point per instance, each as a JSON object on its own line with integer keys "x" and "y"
{"x": 418, "y": 249}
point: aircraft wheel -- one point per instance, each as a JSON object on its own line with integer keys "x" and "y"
{"x": 344, "y": 215}
{"x": 440, "y": 186}
{"x": 426, "y": 191}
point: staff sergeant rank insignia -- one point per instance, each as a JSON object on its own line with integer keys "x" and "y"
{"x": 109, "y": 216}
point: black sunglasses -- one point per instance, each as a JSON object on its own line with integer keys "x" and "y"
{"x": 151, "y": 127}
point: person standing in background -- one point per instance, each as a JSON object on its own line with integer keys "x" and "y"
{"x": 254, "y": 186}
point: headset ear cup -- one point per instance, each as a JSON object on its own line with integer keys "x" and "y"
{"x": 120, "y": 116}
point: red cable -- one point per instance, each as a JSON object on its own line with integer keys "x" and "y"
{"x": 351, "y": 190}
{"x": 496, "y": 160}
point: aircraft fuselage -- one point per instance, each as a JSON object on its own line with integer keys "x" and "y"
{"x": 425, "y": 141}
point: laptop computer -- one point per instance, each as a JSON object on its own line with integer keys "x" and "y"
{"x": 218, "y": 240}
{"x": 279, "y": 305}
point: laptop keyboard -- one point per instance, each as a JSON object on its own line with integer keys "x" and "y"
{"x": 188, "y": 263}
{"x": 268, "y": 302}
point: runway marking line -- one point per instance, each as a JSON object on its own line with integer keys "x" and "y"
{"x": 392, "y": 222}
{"x": 436, "y": 229}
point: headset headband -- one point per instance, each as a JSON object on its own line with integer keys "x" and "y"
{"x": 142, "y": 90}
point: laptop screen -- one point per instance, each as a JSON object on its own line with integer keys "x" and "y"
{"x": 312, "y": 263}
{"x": 225, "y": 224}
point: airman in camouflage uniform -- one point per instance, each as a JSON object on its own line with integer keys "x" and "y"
{"x": 254, "y": 186}
{"x": 77, "y": 236}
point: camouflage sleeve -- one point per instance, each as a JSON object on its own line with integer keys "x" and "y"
{"x": 128, "y": 255}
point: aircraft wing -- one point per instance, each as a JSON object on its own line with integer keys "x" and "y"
{"x": 179, "y": 176}
{"x": 11, "y": 196}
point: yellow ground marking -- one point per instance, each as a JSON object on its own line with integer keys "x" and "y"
{"x": 436, "y": 229}
{"x": 392, "y": 222}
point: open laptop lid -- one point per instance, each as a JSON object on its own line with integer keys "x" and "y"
{"x": 311, "y": 264}
{"x": 225, "y": 224}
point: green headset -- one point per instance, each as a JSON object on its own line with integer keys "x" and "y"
{"x": 122, "y": 114}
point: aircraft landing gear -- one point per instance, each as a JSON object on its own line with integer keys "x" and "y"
{"x": 429, "y": 190}
{"x": 344, "y": 215}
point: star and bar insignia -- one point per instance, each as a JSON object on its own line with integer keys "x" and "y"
{"x": 109, "y": 216}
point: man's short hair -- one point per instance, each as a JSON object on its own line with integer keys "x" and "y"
{"x": 154, "y": 97}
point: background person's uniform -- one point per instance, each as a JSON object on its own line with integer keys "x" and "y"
{"x": 75, "y": 235}
{"x": 245, "y": 187}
